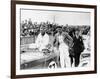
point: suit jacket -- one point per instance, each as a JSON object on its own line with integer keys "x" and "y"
{"x": 78, "y": 44}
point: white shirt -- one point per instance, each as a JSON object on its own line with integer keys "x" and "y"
{"x": 42, "y": 41}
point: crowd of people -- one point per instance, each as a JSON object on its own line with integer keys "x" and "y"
{"x": 29, "y": 28}
{"x": 62, "y": 39}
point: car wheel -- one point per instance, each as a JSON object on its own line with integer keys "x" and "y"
{"x": 52, "y": 65}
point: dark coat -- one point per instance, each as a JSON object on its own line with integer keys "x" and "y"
{"x": 78, "y": 45}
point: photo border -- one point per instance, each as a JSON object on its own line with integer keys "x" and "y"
{"x": 13, "y": 38}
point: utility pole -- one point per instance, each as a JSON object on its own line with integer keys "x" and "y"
{"x": 54, "y": 18}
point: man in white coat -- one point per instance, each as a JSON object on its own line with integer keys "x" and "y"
{"x": 42, "y": 40}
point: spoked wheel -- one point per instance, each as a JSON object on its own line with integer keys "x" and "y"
{"x": 52, "y": 65}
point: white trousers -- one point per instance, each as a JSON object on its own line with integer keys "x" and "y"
{"x": 64, "y": 56}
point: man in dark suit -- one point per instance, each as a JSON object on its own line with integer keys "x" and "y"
{"x": 78, "y": 47}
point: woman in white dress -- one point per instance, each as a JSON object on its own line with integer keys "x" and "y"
{"x": 64, "y": 52}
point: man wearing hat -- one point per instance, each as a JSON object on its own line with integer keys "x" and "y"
{"x": 42, "y": 39}
{"x": 78, "y": 46}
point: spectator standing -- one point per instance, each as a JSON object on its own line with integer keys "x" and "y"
{"x": 78, "y": 47}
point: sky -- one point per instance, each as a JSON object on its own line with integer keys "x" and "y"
{"x": 61, "y": 17}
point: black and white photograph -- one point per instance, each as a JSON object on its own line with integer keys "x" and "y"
{"x": 53, "y": 39}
